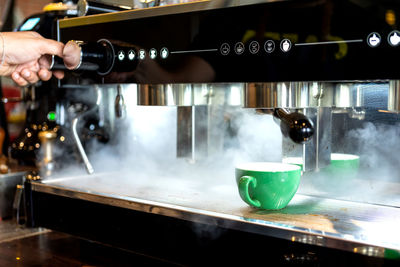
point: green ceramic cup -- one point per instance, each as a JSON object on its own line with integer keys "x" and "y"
{"x": 343, "y": 165}
{"x": 294, "y": 160}
{"x": 267, "y": 185}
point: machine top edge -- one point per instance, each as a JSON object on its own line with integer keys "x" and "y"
{"x": 201, "y": 5}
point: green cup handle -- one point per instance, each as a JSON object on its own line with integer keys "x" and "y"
{"x": 244, "y": 183}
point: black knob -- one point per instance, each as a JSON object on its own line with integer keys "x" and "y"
{"x": 295, "y": 125}
{"x": 92, "y": 56}
{"x": 100, "y": 54}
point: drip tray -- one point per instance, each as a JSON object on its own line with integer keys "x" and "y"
{"x": 357, "y": 227}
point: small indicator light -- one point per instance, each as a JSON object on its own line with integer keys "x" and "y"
{"x": 51, "y": 116}
{"x": 286, "y": 45}
{"x": 121, "y": 55}
{"x": 153, "y": 53}
{"x": 374, "y": 39}
{"x": 142, "y": 54}
{"x": 394, "y": 38}
{"x": 164, "y": 52}
{"x": 269, "y": 46}
{"x": 254, "y": 47}
{"x": 390, "y": 17}
{"x": 131, "y": 55}
{"x": 239, "y": 48}
{"x": 225, "y": 49}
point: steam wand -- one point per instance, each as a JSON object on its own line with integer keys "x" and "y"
{"x": 294, "y": 125}
{"x": 88, "y": 165}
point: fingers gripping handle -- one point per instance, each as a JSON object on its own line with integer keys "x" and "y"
{"x": 57, "y": 63}
{"x": 245, "y": 183}
{"x": 91, "y": 56}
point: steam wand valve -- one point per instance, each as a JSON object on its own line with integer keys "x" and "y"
{"x": 295, "y": 125}
{"x": 90, "y": 7}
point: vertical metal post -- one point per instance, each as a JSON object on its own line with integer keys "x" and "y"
{"x": 394, "y": 96}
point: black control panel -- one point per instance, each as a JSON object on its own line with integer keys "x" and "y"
{"x": 267, "y": 42}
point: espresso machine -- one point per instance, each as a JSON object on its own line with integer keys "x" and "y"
{"x": 179, "y": 94}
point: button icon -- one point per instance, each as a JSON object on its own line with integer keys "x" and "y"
{"x": 254, "y": 47}
{"x": 286, "y": 45}
{"x": 164, "y": 52}
{"x": 269, "y": 46}
{"x": 131, "y": 55}
{"x": 121, "y": 55}
{"x": 394, "y": 38}
{"x": 153, "y": 53}
{"x": 239, "y": 48}
{"x": 142, "y": 54}
{"x": 373, "y": 39}
{"x": 225, "y": 49}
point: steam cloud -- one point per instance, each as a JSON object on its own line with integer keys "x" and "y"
{"x": 146, "y": 141}
{"x": 376, "y": 144}
{"x": 149, "y": 142}
{"x": 378, "y": 177}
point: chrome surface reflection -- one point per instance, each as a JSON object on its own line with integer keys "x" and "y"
{"x": 343, "y": 95}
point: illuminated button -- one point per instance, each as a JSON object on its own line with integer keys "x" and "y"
{"x": 131, "y": 55}
{"x": 164, "y": 52}
{"x": 374, "y": 39}
{"x": 225, "y": 49}
{"x": 394, "y": 38}
{"x": 286, "y": 45}
{"x": 254, "y": 47}
{"x": 153, "y": 53}
{"x": 239, "y": 48}
{"x": 269, "y": 46}
{"x": 51, "y": 116}
{"x": 121, "y": 55}
{"x": 142, "y": 54}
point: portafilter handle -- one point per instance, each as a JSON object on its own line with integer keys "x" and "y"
{"x": 294, "y": 125}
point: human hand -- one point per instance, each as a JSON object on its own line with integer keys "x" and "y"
{"x": 28, "y": 57}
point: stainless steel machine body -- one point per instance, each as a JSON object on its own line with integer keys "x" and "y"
{"x": 185, "y": 96}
